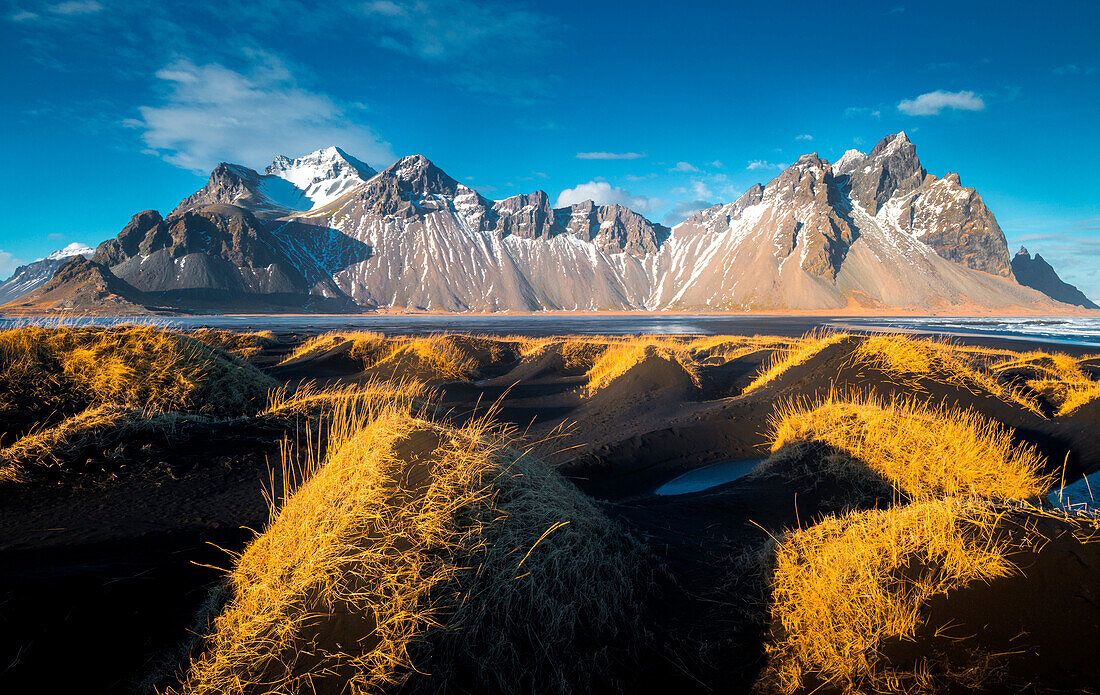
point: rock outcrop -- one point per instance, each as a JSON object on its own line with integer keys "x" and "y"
{"x": 1036, "y": 273}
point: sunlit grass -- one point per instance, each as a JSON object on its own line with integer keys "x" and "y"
{"x": 843, "y": 587}
{"x": 798, "y": 353}
{"x": 922, "y": 451}
{"x": 411, "y": 538}
{"x": 44, "y": 369}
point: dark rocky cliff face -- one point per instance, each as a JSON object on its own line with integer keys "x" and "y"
{"x": 1037, "y": 274}
{"x": 942, "y": 213}
{"x": 892, "y": 168}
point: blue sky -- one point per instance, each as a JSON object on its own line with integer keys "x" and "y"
{"x": 115, "y": 107}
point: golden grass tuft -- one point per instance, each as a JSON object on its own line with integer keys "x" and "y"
{"x": 620, "y": 356}
{"x": 431, "y": 357}
{"x": 352, "y": 405}
{"x": 244, "y": 344}
{"x": 908, "y": 362}
{"x": 1058, "y": 378}
{"x": 798, "y": 353}
{"x": 717, "y": 350}
{"x": 438, "y": 357}
{"x": 922, "y": 451}
{"x": 842, "y": 589}
{"x": 57, "y": 369}
{"x": 416, "y": 548}
{"x": 100, "y": 431}
{"x": 364, "y": 345}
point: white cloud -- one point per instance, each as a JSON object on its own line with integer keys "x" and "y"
{"x": 610, "y": 155}
{"x": 602, "y": 193}
{"x": 763, "y": 164}
{"x": 804, "y": 137}
{"x": 717, "y": 164}
{"x": 700, "y": 189}
{"x": 23, "y": 16}
{"x": 8, "y": 264}
{"x": 76, "y": 7}
{"x": 684, "y": 166}
{"x": 682, "y": 210}
{"x": 932, "y": 103}
{"x": 212, "y": 114}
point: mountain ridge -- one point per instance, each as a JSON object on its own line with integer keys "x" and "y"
{"x": 326, "y": 232}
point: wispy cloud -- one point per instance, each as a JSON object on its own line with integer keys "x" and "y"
{"x": 610, "y": 155}
{"x": 456, "y": 29}
{"x": 682, "y": 210}
{"x": 486, "y": 42}
{"x": 933, "y": 103}
{"x": 212, "y": 114}
{"x": 764, "y": 164}
{"x": 22, "y": 16}
{"x": 603, "y": 193}
{"x": 804, "y": 137}
{"x": 717, "y": 164}
{"x": 853, "y": 111}
{"x": 8, "y": 264}
{"x": 76, "y": 7}
{"x": 685, "y": 167}
{"x": 1073, "y": 69}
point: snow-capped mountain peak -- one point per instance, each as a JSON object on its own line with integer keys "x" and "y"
{"x": 322, "y": 176}
{"x": 73, "y": 249}
{"x": 31, "y": 276}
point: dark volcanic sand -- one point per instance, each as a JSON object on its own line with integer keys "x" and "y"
{"x": 101, "y": 574}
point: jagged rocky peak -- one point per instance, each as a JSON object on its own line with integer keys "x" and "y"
{"x": 810, "y": 179}
{"x": 892, "y": 168}
{"x": 527, "y": 215}
{"x": 1037, "y": 274}
{"x": 268, "y": 197}
{"x": 226, "y": 231}
{"x": 848, "y": 162}
{"x": 612, "y": 228}
{"x": 954, "y": 221}
{"x": 417, "y": 174}
{"x": 413, "y": 186}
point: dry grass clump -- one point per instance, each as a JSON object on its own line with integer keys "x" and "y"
{"x": 619, "y": 357}
{"x": 102, "y": 431}
{"x": 717, "y": 350}
{"x": 432, "y": 357}
{"x": 67, "y": 369}
{"x": 425, "y": 558}
{"x": 844, "y": 589}
{"x": 1056, "y": 377}
{"x": 799, "y": 353}
{"x": 439, "y": 356}
{"x": 364, "y": 347}
{"x": 241, "y": 344}
{"x": 909, "y": 362}
{"x": 922, "y": 451}
{"x": 357, "y": 403}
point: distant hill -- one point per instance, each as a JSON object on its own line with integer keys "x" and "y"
{"x": 1038, "y": 274}
{"x": 28, "y": 278}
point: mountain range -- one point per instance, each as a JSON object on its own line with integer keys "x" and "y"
{"x": 327, "y": 233}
